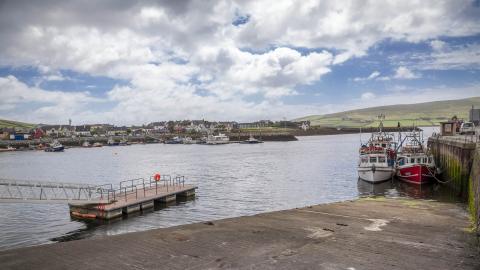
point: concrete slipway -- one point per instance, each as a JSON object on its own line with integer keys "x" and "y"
{"x": 369, "y": 233}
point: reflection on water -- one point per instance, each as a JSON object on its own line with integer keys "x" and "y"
{"x": 233, "y": 180}
{"x": 396, "y": 188}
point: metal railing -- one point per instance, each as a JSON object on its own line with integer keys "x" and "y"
{"x": 27, "y": 190}
{"x": 34, "y": 191}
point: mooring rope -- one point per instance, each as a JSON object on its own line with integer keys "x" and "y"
{"x": 438, "y": 180}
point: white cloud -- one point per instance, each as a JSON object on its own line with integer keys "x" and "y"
{"x": 437, "y": 45}
{"x": 353, "y": 26}
{"x": 405, "y": 73}
{"x": 367, "y": 96}
{"x": 221, "y": 66}
{"x": 372, "y": 76}
{"x": 273, "y": 74}
{"x": 445, "y": 57}
{"x": 32, "y": 103}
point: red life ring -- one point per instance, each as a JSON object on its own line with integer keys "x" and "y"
{"x": 157, "y": 177}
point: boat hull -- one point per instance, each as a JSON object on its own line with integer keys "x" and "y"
{"x": 55, "y": 149}
{"x": 217, "y": 142}
{"x": 251, "y": 142}
{"x": 375, "y": 175}
{"x": 415, "y": 174}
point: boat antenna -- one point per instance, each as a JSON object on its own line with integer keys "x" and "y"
{"x": 361, "y": 136}
{"x": 381, "y": 117}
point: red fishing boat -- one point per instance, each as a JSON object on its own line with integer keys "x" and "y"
{"x": 414, "y": 163}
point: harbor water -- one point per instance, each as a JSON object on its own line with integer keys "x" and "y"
{"x": 233, "y": 180}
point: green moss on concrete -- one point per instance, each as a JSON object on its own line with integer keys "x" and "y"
{"x": 471, "y": 201}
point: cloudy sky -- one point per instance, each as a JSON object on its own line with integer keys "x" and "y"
{"x": 132, "y": 62}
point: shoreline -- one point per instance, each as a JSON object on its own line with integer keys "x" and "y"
{"x": 363, "y": 234}
{"x": 283, "y": 136}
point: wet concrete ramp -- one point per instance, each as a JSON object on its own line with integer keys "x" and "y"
{"x": 369, "y": 233}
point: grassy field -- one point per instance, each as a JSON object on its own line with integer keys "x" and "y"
{"x": 421, "y": 114}
{"x": 15, "y": 124}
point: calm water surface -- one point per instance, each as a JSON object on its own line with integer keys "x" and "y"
{"x": 233, "y": 180}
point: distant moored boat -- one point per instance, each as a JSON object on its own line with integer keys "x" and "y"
{"x": 251, "y": 140}
{"x": 217, "y": 139}
{"x": 55, "y": 147}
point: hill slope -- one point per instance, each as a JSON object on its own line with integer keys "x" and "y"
{"x": 422, "y": 114}
{"x": 15, "y": 124}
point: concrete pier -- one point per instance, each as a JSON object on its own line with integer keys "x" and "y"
{"x": 132, "y": 201}
{"x": 459, "y": 159}
{"x": 369, "y": 233}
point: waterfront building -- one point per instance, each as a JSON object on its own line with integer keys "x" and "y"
{"x": 83, "y": 131}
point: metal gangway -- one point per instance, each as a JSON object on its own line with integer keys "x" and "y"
{"x": 12, "y": 190}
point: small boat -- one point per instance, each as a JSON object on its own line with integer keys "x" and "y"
{"x": 97, "y": 144}
{"x": 55, "y": 147}
{"x": 174, "y": 140}
{"x": 112, "y": 142}
{"x": 377, "y": 157}
{"x": 189, "y": 140}
{"x": 251, "y": 140}
{"x": 86, "y": 144}
{"x": 415, "y": 164}
{"x": 8, "y": 149}
{"x": 217, "y": 139}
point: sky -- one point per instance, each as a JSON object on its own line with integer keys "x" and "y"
{"x": 134, "y": 62}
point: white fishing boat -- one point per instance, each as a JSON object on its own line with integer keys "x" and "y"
{"x": 217, "y": 139}
{"x": 97, "y": 144}
{"x": 251, "y": 140}
{"x": 86, "y": 144}
{"x": 55, "y": 146}
{"x": 188, "y": 140}
{"x": 377, "y": 157}
{"x": 112, "y": 142}
{"x": 8, "y": 149}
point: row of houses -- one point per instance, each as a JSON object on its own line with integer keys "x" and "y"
{"x": 202, "y": 126}
{"x": 185, "y": 126}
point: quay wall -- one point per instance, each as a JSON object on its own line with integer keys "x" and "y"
{"x": 474, "y": 188}
{"x": 459, "y": 161}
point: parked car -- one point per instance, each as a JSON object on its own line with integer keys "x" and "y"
{"x": 467, "y": 128}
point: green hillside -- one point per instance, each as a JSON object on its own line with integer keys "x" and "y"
{"x": 422, "y": 114}
{"x": 15, "y": 124}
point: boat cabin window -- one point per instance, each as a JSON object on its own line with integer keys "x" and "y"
{"x": 401, "y": 161}
{"x": 429, "y": 160}
{"x": 364, "y": 160}
{"x": 373, "y": 159}
{"x": 419, "y": 160}
{"x": 381, "y": 159}
{"x": 384, "y": 145}
{"x": 412, "y": 160}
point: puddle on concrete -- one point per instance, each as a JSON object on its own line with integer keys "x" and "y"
{"x": 376, "y": 224}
